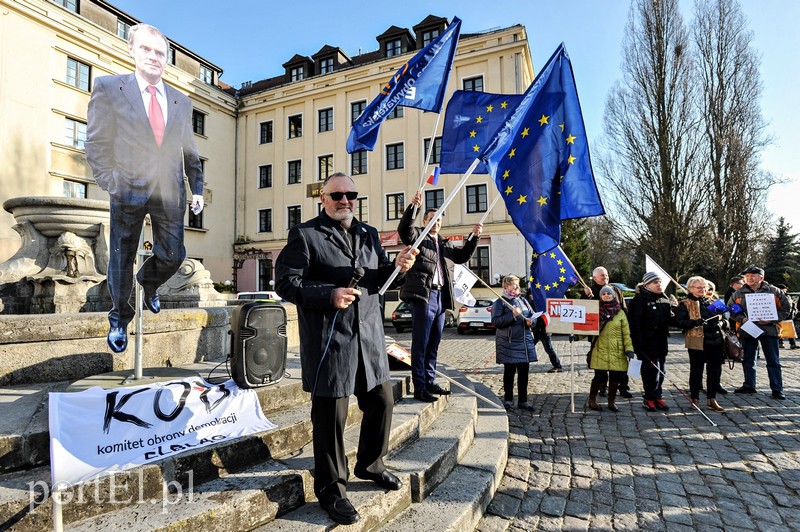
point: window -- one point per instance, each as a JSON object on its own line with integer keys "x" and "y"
{"x": 474, "y": 84}
{"x": 394, "y": 156}
{"x": 429, "y": 36}
{"x": 73, "y": 189}
{"x": 324, "y": 166}
{"x": 196, "y": 220}
{"x": 265, "y": 176}
{"x": 75, "y": 134}
{"x": 295, "y": 172}
{"x": 265, "y": 132}
{"x": 198, "y": 122}
{"x": 206, "y": 75}
{"x": 265, "y": 220}
{"x": 78, "y": 74}
{"x": 395, "y": 205}
{"x": 397, "y": 112}
{"x": 295, "y": 126}
{"x": 122, "y": 29}
{"x": 293, "y": 215}
{"x": 326, "y": 119}
{"x": 476, "y": 198}
{"x": 436, "y": 156}
{"x": 356, "y": 108}
{"x": 72, "y": 5}
{"x": 358, "y": 162}
{"x": 434, "y": 198}
{"x": 171, "y": 56}
{"x": 264, "y": 274}
{"x": 479, "y": 263}
{"x": 297, "y": 73}
{"x": 362, "y": 209}
{"x": 394, "y": 48}
{"x": 326, "y": 65}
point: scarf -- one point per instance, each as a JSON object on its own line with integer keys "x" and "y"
{"x": 608, "y": 309}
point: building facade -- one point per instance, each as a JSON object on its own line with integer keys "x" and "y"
{"x": 50, "y": 54}
{"x": 266, "y": 147}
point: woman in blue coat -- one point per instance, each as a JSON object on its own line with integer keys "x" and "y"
{"x": 512, "y": 317}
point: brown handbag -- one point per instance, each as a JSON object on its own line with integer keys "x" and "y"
{"x": 734, "y": 352}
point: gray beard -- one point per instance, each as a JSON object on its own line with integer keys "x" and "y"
{"x": 344, "y": 217}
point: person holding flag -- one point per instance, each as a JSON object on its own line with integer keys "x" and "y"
{"x": 515, "y": 349}
{"x": 428, "y": 290}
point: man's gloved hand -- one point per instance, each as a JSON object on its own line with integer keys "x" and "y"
{"x": 629, "y": 354}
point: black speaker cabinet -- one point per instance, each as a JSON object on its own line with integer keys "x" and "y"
{"x": 258, "y": 344}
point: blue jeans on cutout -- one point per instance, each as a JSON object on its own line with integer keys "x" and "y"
{"x": 769, "y": 346}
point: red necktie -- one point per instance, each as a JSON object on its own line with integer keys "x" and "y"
{"x": 156, "y": 116}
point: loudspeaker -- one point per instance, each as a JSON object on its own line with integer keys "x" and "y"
{"x": 258, "y": 344}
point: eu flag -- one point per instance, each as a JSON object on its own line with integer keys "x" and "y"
{"x": 470, "y": 122}
{"x": 421, "y": 83}
{"x": 540, "y": 161}
{"x": 551, "y": 276}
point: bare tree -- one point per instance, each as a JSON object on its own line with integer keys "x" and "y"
{"x": 652, "y": 127}
{"x": 734, "y": 134}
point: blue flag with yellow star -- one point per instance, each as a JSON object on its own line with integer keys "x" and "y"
{"x": 551, "y": 276}
{"x": 539, "y": 159}
{"x": 470, "y": 122}
{"x": 421, "y": 83}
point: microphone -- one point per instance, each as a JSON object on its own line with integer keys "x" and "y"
{"x": 358, "y": 274}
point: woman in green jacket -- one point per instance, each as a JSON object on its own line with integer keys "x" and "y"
{"x": 611, "y": 350}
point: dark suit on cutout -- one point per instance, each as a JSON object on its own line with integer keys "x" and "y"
{"x": 141, "y": 178}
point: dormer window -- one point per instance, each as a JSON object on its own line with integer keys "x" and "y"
{"x": 326, "y": 65}
{"x": 298, "y": 73}
{"x": 429, "y": 36}
{"x": 394, "y": 47}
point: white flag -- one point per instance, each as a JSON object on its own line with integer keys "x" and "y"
{"x": 651, "y": 266}
{"x": 463, "y": 281}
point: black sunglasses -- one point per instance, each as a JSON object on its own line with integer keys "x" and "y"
{"x": 337, "y": 196}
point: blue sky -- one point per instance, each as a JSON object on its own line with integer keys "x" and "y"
{"x": 251, "y": 39}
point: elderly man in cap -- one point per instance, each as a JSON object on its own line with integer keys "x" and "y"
{"x": 755, "y": 284}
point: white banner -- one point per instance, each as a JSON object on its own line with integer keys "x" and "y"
{"x": 97, "y": 432}
{"x": 463, "y": 281}
{"x": 761, "y": 307}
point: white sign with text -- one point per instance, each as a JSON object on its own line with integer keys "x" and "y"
{"x": 101, "y": 431}
{"x": 761, "y": 307}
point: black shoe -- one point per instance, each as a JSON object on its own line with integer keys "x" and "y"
{"x": 555, "y": 370}
{"x": 117, "y": 339}
{"x": 626, "y": 394}
{"x": 152, "y": 303}
{"x": 603, "y": 392}
{"x": 745, "y": 389}
{"x": 384, "y": 479}
{"x": 438, "y": 390}
{"x": 722, "y": 391}
{"x": 425, "y": 396}
{"x": 777, "y": 394}
{"x": 342, "y": 511}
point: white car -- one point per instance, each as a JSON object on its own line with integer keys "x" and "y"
{"x": 477, "y": 317}
{"x": 259, "y": 296}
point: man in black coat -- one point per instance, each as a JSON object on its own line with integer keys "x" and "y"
{"x": 429, "y": 292}
{"x": 342, "y": 349}
{"x": 139, "y": 144}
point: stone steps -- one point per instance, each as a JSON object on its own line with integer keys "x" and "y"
{"x": 264, "y": 481}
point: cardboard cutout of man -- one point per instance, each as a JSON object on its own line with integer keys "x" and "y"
{"x": 139, "y": 144}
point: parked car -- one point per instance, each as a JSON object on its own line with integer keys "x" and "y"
{"x": 477, "y": 317}
{"x": 401, "y": 317}
{"x": 259, "y": 296}
{"x": 626, "y": 290}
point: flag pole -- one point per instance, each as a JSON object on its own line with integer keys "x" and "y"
{"x": 499, "y": 296}
{"x": 486, "y": 214}
{"x": 428, "y": 155}
{"x": 574, "y": 269}
{"x": 432, "y": 221}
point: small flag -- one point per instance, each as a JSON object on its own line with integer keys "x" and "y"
{"x": 551, "y": 276}
{"x": 651, "y": 266}
{"x": 434, "y": 177}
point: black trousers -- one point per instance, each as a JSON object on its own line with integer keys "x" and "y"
{"x": 521, "y": 370}
{"x": 328, "y": 418}
{"x": 713, "y": 365}
{"x": 652, "y": 379}
{"x": 602, "y": 376}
